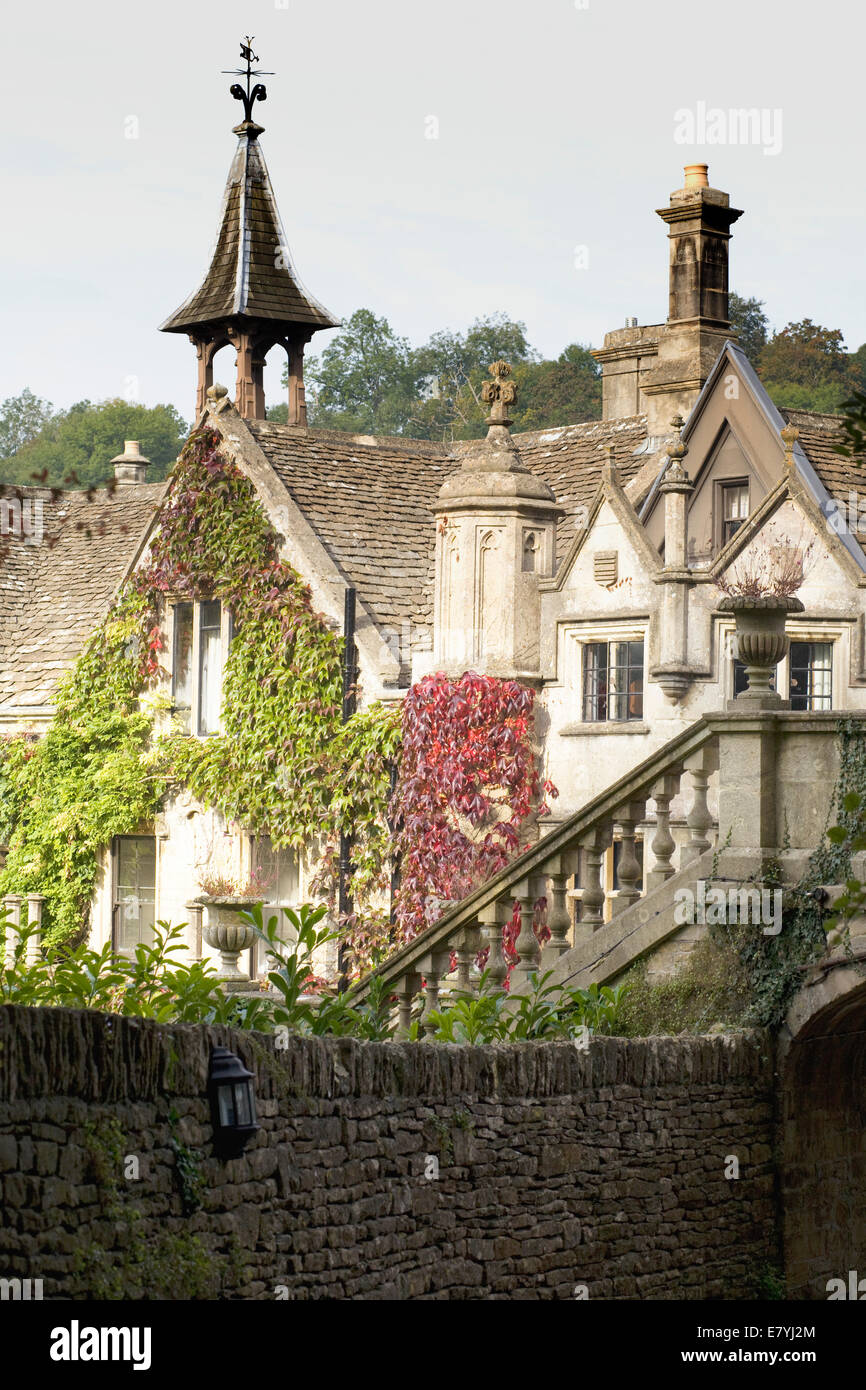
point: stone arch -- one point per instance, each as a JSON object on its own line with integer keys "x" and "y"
{"x": 822, "y": 1132}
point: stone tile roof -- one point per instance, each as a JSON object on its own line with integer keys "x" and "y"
{"x": 251, "y": 274}
{"x": 371, "y": 499}
{"x": 53, "y": 593}
{"x": 818, "y": 435}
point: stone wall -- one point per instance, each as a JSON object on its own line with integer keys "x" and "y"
{"x": 557, "y": 1168}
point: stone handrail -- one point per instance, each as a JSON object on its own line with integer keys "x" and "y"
{"x": 577, "y": 844}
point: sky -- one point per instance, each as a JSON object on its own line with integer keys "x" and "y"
{"x": 434, "y": 163}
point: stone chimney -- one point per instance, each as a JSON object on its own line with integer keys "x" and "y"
{"x": 659, "y": 369}
{"x": 131, "y": 466}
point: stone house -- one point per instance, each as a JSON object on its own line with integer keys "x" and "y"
{"x": 583, "y": 561}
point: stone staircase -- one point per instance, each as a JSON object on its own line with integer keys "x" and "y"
{"x": 776, "y": 776}
{"x": 640, "y": 912}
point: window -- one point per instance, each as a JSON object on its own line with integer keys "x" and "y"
{"x": 735, "y": 508}
{"x": 612, "y": 681}
{"x": 811, "y": 683}
{"x": 278, "y": 870}
{"x": 210, "y": 679}
{"x": 134, "y": 892}
{"x": 202, "y": 632}
{"x": 810, "y": 676}
{"x": 181, "y": 667}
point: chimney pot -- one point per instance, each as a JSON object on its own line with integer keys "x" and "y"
{"x": 696, "y": 176}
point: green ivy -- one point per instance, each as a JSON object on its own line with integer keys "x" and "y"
{"x": 92, "y": 776}
{"x": 284, "y": 765}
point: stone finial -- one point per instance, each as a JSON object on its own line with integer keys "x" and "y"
{"x": 217, "y": 398}
{"x": 131, "y": 466}
{"x": 789, "y": 436}
{"x": 499, "y": 394}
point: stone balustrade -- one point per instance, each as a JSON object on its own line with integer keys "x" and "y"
{"x": 775, "y": 773}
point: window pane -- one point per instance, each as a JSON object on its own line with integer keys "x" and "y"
{"x": 135, "y": 902}
{"x": 210, "y": 668}
{"x": 735, "y": 508}
{"x": 595, "y": 683}
{"x": 811, "y": 675}
{"x": 181, "y": 666}
{"x": 613, "y": 680}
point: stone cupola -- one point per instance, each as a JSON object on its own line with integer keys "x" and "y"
{"x": 251, "y": 296}
{"x": 495, "y": 539}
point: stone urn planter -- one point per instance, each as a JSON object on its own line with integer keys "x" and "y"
{"x": 227, "y": 933}
{"x": 761, "y": 643}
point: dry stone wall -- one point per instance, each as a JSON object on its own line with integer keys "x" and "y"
{"x": 383, "y": 1170}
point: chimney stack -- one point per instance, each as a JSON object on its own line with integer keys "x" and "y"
{"x": 659, "y": 369}
{"x": 131, "y": 466}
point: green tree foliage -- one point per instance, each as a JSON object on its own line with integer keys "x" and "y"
{"x": 370, "y": 381}
{"x": 22, "y": 419}
{"x": 750, "y": 323}
{"x": 74, "y": 448}
{"x": 806, "y": 367}
{"x": 365, "y": 381}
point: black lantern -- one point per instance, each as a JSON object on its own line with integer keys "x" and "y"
{"x": 233, "y": 1103}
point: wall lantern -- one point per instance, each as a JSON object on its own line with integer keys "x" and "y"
{"x": 233, "y": 1103}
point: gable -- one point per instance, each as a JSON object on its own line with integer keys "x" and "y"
{"x": 733, "y": 435}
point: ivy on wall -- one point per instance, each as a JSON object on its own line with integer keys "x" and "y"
{"x": 284, "y": 764}
{"x": 469, "y": 792}
{"x": 92, "y": 776}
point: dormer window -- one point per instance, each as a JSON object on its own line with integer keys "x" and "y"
{"x": 202, "y": 633}
{"x": 735, "y": 508}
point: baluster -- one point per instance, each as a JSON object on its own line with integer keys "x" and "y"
{"x": 406, "y": 990}
{"x": 558, "y": 915}
{"x": 433, "y": 967}
{"x": 526, "y": 945}
{"x": 592, "y": 889}
{"x": 699, "y": 819}
{"x": 663, "y": 843}
{"x": 34, "y": 922}
{"x": 628, "y": 878}
{"x": 13, "y": 903}
{"x": 492, "y": 919}
{"x": 467, "y": 949}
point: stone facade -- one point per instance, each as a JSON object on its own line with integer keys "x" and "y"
{"x": 387, "y": 1170}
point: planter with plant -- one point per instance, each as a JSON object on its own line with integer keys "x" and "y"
{"x": 760, "y": 593}
{"x": 228, "y": 930}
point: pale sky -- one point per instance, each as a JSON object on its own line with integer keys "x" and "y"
{"x": 556, "y": 131}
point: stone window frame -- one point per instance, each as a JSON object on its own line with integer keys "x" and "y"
{"x": 194, "y": 711}
{"x": 582, "y": 634}
{"x": 723, "y": 486}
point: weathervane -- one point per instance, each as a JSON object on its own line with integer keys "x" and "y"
{"x": 259, "y": 92}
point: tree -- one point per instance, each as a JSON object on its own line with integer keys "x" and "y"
{"x": 365, "y": 381}
{"x": 806, "y": 367}
{"x": 564, "y": 392}
{"x": 453, "y": 367}
{"x": 751, "y": 325}
{"x": 22, "y": 418}
{"x": 75, "y": 447}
